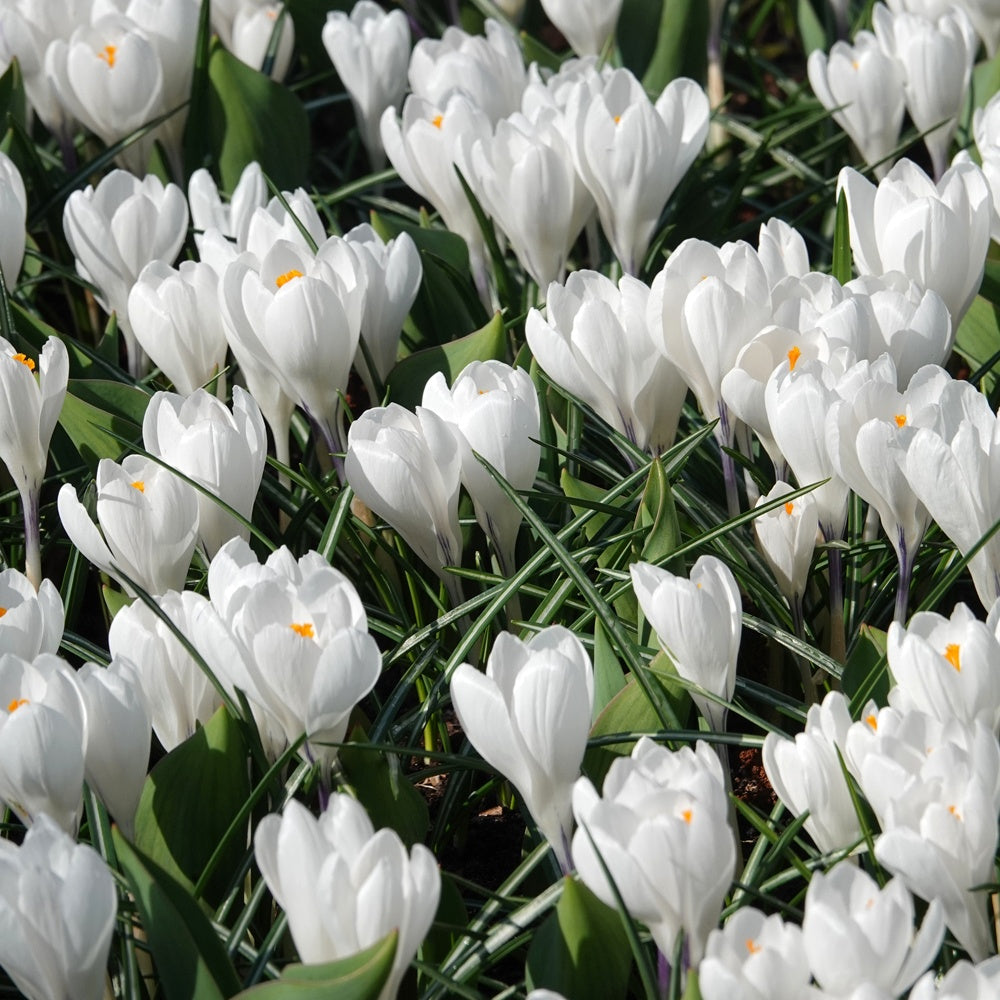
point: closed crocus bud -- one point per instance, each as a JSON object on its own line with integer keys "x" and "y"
{"x": 274, "y": 222}
{"x": 423, "y": 146}
{"x": 148, "y": 524}
{"x": 807, "y": 775}
{"x": 787, "y": 537}
{"x": 937, "y": 235}
{"x": 117, "y": 737}
{"x": 109, "y": 75}
{"x": 179, "y": 692}
{"x": 250, "y": 36}
{"x": 57, "y": 907}
{"x": 855, "y": 932}
{"x": 948, "y": 668}
{"x": 224, "y": 450}
{"x": 41, "y": 740}
{"x": 936, "y": 60}
{"x": 174, "y": 315}
{"x": 488, "y": 69}
{"x": 661, "y": 831}
{"x": 345, "y": 886}
{"x": 586, "y": 26}
{"x": 232, "y": 219}
{"x": 303, "y": 640}
{"x": 863, "y": 87}
{"x": 529, "y": 717}
{"x": 963, "y": 981}
{"x": 782, "y": 251}
{"x": 595, "y": 342}
{"x": 30, "y": 404}
{"x": 392, "y": 275}
{"x": 698, "y": 623}
{"x": 13, "y": 212}
{"x": 494, "y": 410}
{"x": 115, "y": 230}
{"x": 370, "y": 50}
{"x": 754, "y": 957}
{"x": 407, "y": 469}
{"x": 632, "y": 154}
{"x": 30, "y": 622}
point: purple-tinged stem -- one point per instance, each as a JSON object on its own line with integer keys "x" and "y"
{"x": 32, "y": 536}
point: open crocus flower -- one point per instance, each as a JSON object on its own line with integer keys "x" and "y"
{"x": 698, "y": 623}
{"x": 30, "y": 404}
{"x": 148, "y": 524}
{"x": 57, "y": 912}
{"x": 30, "y": 622}
{"x": 345, "y": 886}
{"x": 529, "y": 717}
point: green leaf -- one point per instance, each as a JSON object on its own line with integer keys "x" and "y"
{"x": 977, "y": 341}
{"x": 197, "y": 128}
{"x": 866, "y": 673}
{"x": 810, "y": 28}
{"x": 191, "y": 961}
{"x": 358, "y": 977}
{"x": 382, "y": 788}
{"x": 609, "y": 678}
{"x": 97, "y": 415}
{"x": 658, "y": 515}
{"x": 309, "y": 17}
{"x": 253, "y": 118}
{"x": 681, "y": 43}
{"x": 406, "y": 381}
{"x": 12, "y": 103}
{"x": 581, "y": 949}
{"x": 842, "y": 260}
{"x": 189, "y": 801}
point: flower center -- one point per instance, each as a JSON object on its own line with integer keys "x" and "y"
{"x": 793, "y": 356}
{"x": 138, "y": 485}
{"x": 954, "y": 811}
{"x": 108, "y": 54}
{"x": 3, "y": 611}
{"x": 752, "y": 946}
{"x": 283, "y": 279}
{"x": 16, "y": 704}
{"x": 25, "y": 360}
{"x": 687, "y": 816}
{"x": 951, "y": 652}
{"x": 900, "y": 419}
{"x": 437, "y": 121}
{"x": 872, "y": 720}
{"x": 789, "y": 507}
{"x": 304, "y": 629}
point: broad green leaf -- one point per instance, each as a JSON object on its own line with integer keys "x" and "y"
{"x": 406, "y": 381}
{"x": 866, "y": 673}
{"x": 32, "y": 333}
{"x": 191, "y": 961}
{"x": 810, "y": 27}
{"x": 97, "y": 415}
{"x": 12, "y": 102}
{"x": 197, "y": 129}
{"x": 658, "y": 515}
{"x": 692, "y": 989}
{"x": 358, "y": 977}
{"x": 384, "y": 791}
{"x": 985, "y": 83}
{"x": 189, "y": 801}
{"x": 577, "y": 489}
{"x": 114, "y": 600}
{"x": 609, "y": 678}
{"x": 842, "y": 242}
{"x": 977, "y": 341}
{"x": 581, "y": 949}
{"x": 253, "y": 118}
{"x": 681, "y": 42}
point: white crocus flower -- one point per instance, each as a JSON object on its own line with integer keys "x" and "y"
{"x": 529, "y": 717}
{"x": 782, "y": 251}
{"x": 30, "y": 623}
{"x": 595, "y": 342}
{"x": 963, "y": 981}
{"x": 115, "y": 230}
{"x": 370, "y": 50}
{"x": 754, "y": 957}
{"x": 936, "y": 60}
{"x": 174, "y": 316}
{"x": 807, "y": 774}
{"x": 632, "y": 154}
{"x": 494, "y": 410}
{"x": 30, "y": 404}
{"x": 587, "y": 26}
{"x": 220, "y": 448}
{"x": 345, "y": 886}
{"x": 148, "y": 524}
{"x": 250, "y": 36}
{"x": 57, "y": 914}
{"x": 698, "y": 622}
{"x": 42, "y": 732}
{"x": 232, "y": 219}
{"x": 862, "y": 86}
{"x": 856, "y": 933}
{"x": 274, "y": 222}
{"x": 661, "y": 830}
{"x": 13, "y": 212}
{"x": 936, "y": 234}
{"x": 303, "y": 642}
{"x": 406, "y": 468}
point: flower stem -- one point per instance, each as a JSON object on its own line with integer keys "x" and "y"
{"x": 32, "y": 536}
{"x": 903, "y": 586}
{"x": 838, "y": 639}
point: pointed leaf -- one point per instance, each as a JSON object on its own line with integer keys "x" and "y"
{"x": 842, "y": 242}
{"x": 609, "y": 678}
{"x": 866, "y": 673}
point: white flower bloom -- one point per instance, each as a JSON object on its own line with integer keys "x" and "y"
{"x": 232, "y": 220}
{"x": 587, "y": 25}
{"x": 250, "y": 36}
{"x": 30, "y": 623}
{"x": 787, "y": 537}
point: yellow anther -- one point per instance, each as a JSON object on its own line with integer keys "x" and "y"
{"x": 752, "y": 946}
{"x": 304, "y": 629}
{"x": 951, "y": 652}
{"x": 283, "y": 279}
{"x": 954, "y": 811}
{"x": 856, "y": 64}
{"x": 618, "y": 118}
{"x": 793, "y": 356}
{"x": 437, "y": 121}
{"x": 789, "y": 507}
{"x": 16, "y": 704}
{"x": 900, "y": 419}
{"x": 108, "y": 54}
{"x": 138, "y": 485}
{"x": 687, "y": 815}
{"x": 3, "y": 611}
{"x": 26, "y": 361}
{"x": 872, "y": 720}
